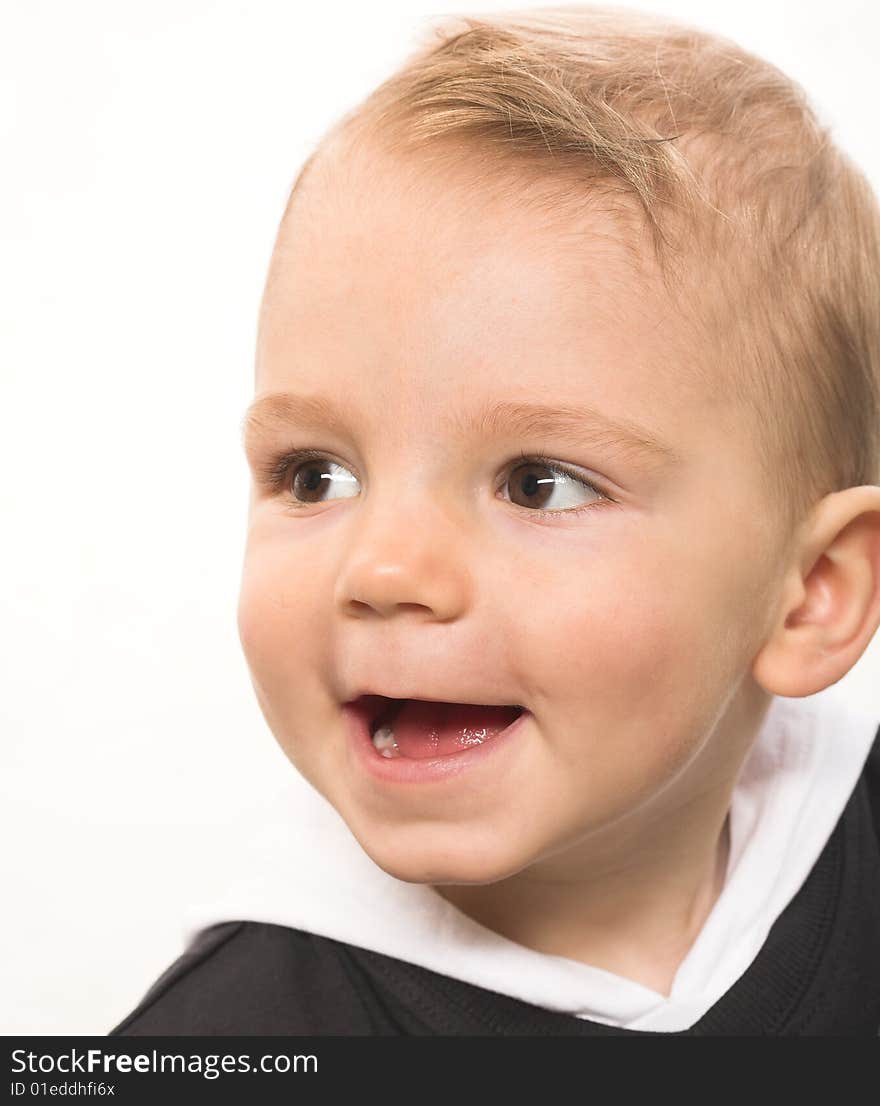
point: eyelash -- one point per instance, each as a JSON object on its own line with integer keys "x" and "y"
{"x": 274, "y": 473}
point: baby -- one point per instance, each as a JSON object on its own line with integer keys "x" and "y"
{"x": 565, "y": 450}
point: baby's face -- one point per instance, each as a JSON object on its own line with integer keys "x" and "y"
{"x": 616, "y": 590}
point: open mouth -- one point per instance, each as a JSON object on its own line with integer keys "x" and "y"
{"x": 423, "y": 728}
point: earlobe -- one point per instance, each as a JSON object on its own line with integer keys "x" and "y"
{"x": 830, "y": 607}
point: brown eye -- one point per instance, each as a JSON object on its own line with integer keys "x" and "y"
{"x": 303, "y": 477}
{"x": 539, "y": 484}
{"x": 316, "y": 478}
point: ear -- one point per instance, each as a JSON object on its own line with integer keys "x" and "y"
{"x": 830, "y": 599}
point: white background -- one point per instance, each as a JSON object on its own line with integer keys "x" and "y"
{"x": 146, "y": 151}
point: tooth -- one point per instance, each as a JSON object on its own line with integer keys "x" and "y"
{"x": 383, "y": 740}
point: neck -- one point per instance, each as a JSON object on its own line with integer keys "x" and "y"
{"x": 636, "y": 920}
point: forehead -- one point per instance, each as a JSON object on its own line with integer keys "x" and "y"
{"x": 404, "y": 284}
{"x": 453, "y": 215}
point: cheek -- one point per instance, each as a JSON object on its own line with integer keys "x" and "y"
{"x": 633, "y": 665}
{"x": 277, "y": 626}
{"x": 649, "y": 613}
{"x": 260, "y": 614}
{"x": 633, "y": 657}
{"x": 624, "y": 628}
{"x": 283, "y": 634}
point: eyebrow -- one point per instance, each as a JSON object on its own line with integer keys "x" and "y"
{"x": 277, "y": 411}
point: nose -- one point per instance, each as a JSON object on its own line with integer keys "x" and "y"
{"x": 404, "y": 558}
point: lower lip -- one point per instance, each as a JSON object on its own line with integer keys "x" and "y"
{"x": 399, "y": 770}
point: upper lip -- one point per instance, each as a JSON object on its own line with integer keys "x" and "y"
{"x": 370, "y": 693}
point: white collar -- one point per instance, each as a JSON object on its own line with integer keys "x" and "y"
{"x": 304, "y": 869}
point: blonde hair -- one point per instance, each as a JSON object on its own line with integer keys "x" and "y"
{"x": 769, "y": 233}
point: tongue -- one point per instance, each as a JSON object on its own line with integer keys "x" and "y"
{"x": 424, "y": 729}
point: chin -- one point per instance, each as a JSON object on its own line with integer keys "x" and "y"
{"x": 431, "y": 856}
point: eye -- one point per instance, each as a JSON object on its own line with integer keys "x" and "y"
{"x": 549, "y": 487}
{"x": 309, "y": 477}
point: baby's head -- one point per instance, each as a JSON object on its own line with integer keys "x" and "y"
{"x": 576, "y": 320}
